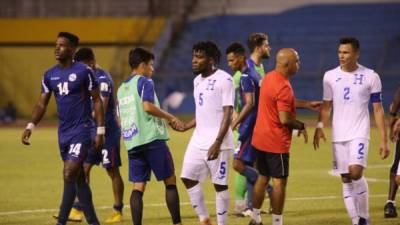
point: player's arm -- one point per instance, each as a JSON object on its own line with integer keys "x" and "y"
{"x": 305, "y": 104}
{"x": 323, "y": 119}
{"x": 215, "y": 148}
{"x": 153, "y": 110}
{"x": 98, "y": 117}
{"x": 379, "y": 115}
{"x": 38, "y": 112}
{"x": 249, "y": 105}
{"x": 394, "y": 108}
{"x": 287, "y": 120}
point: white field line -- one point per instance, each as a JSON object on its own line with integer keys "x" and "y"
{"x": 155, "y": 205}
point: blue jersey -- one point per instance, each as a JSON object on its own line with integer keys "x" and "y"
{"x": 107, "y": 90}
{"x": 248, "y": 84}
{"x": 145, "y": 88}
{"x": 71, "y": 88}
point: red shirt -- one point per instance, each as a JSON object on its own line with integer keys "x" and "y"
{"x": 276, "y": 94}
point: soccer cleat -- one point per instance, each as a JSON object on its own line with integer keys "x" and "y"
{"x": 363, "y": 221}
{"x": 253, "y": 222}
{"x": 390, "y": 210}
{"x": 206, "y": 222}
{"x": 115, "y": 217}
{"x": 247, "y": 212}
{"x": 74, "y": 216}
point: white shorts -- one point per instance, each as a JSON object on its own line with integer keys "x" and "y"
{"x": 354, "y": 152}
{"x": 197, "y": 167}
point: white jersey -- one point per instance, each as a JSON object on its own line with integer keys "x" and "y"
{"x": 211, "y": 94}
{"x": 351, "y": 93}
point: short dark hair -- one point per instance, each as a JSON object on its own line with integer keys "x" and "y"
{"x": 256, "y": 40}
{"x": 139, "y": 55}
{"x": 84, "y": 54}
{"x": 72, "y": 38}
{"x": 209, "y": 48}
{"x": 352, "y": 41}
{"x": 236, "y": 48}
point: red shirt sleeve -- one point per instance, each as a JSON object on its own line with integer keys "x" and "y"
{"x": 284, "y": 99}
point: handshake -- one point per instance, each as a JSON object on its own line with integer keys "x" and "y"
{"x": 178, "y": 125}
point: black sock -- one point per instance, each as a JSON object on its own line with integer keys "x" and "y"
{"x": 67, "y": 201}
{"x": 118, "y": 207}
{"x": 85, "y": 198}
{"x": 137, "y": 207}
{"x": 172, "y": 199}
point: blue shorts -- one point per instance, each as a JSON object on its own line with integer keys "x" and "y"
{"x": 245, "y": 151}
{"x": 75, "y": 149}
{"x": 154, "y": 156}
{"x": 109, "y": 155}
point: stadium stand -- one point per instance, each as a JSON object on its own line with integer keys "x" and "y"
{"x": 313, "y": 30}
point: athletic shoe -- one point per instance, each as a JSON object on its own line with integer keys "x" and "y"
{"x": 363, "y": 221}
{"x": 253, "y": 222}
{"x": 390, "y": 210}
{"x": 74, "y": 216}
{"x": 115, "y": 217}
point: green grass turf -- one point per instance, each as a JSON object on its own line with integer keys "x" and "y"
{"x": 31, "y": 179}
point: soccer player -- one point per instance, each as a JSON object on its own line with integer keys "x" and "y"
{"x": 145, "y": 135}
{"x": 390, "y": 206}
{"x": 211, "y": 144}
{"x": 248, "y": 93}
{"x": 348, "y": 89}
{"x": 259, "y": 48}
{"x": 73, "y": 85}
{"x": 110, "y": 153}
{"x": 276, "y": 118}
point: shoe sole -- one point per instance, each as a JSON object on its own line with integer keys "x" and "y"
{"x": 69, "y": 220}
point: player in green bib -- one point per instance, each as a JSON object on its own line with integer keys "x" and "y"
{"x": 144, "y": 130}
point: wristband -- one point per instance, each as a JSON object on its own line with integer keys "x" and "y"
{"x": 30, "y": 126}
{"x": 320, "y": 125}
{"x": 101, "y": 130}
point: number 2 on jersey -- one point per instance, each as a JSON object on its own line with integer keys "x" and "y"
{"x": 346, "y": 93}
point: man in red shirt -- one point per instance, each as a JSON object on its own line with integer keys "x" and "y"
{"x": 273, "y": 133}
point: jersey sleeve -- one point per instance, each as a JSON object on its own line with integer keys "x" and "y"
{"x": 105, "y": 86}
{"x": 92, "y": 82}
{"x": 376, "y": 89}
{"x": 327, "y": 89}
{"x": 284, "y": 99}
{"x": 247, "y": 84}
{"x": 228, "y": 92}
{"x": 46, "y": 88}
{"x": 146, "y": 90}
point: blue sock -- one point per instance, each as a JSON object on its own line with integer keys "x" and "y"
{"x": 118, "y": 207}
{"x": 66, "y": 203}
{"x": 85, "y": 198}
{"x": 251, "y": 175}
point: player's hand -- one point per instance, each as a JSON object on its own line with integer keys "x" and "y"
{"x": 304, "y": 133}
{"x": 318, "y": 134}
{"x": 315, "y": 105}
{"x": 214, "y": 150}
{"x": 395, "y": 131}
{"x": 384, "y": 150}
{"x": 99, "y": 141}
{"x": 25, "y": 137}
{"x": 177, "y": 124}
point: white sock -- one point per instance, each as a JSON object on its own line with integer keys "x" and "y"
{"x": 196, "y": 196}
{"x": 361, "y": 191}
{"x": 222, "y": 205}
{"x": 256, "y": 215}
{"x": 277, "y": 219}
{"x": 393, "y": 202}
{"x": 349, "y": 202}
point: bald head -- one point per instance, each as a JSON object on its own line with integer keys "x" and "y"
{"x": 287, "y": 61}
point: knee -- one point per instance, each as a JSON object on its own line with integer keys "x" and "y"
{"x": 189, "y": 183}
{"x": 113, "y": 172}
{"x": 356, "y": 176}
{"x": 398, "y": 180}
{"x": 238, "y": 166}
{"x": 69, "y": 175}
{"x": 219, "y": 188}
{"x": 170, "y": 180}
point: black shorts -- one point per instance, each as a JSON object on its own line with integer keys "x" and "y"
{"x": 396, "y": 158}
{"x": 272, "y": 164}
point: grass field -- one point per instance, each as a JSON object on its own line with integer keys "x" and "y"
{"x": 31, "y": 185}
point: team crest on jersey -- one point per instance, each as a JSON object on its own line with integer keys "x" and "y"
{"x": 72, "y": 77}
